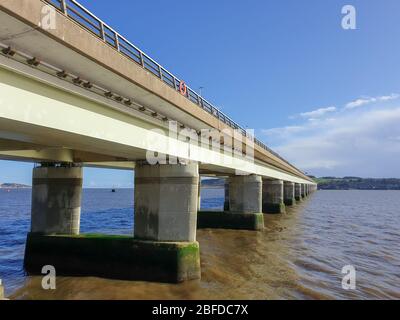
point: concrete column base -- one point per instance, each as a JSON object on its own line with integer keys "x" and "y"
{"x": 289, "y": 193}
{"x": 303, "y": 191}
{"x": 273, "y": 197}
{"x": 274, "y": 208}
{"x": 228, "y": 220}
{"x": 290, "y": 202}
{"x": 297, "y": 192}
{"x": 116, "y": 257}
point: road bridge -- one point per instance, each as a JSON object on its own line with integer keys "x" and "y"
{"x": 76, "y": 93}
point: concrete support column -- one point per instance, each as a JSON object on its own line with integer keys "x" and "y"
{"x": 56, "y": 200}
{"x": 226, "y": 192}
{"x": 272, "y": 201}
{"x": 303, "y": 190}
{"x": 163, "y": 248}
{"x": 289, "y": 196}
{"x": 166, "y": 199}
{"x": 199, "y": 197}
{"x": 166, "y": 204}
{"x": 245, "y": 194}
{"x": 242, "y": 206}
{"x": 297, "y": 191}
{"x": 1, "y": 291}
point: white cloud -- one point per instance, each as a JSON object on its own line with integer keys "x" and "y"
{"x": 284, "y": 131}
{"x": 364, "y": 101}
{"x": 364, "y": 143}
{"x": 317, "y": 113}
{"x": 393, "y": 96}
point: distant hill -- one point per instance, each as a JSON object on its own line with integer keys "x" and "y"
{"x": 334, "y": 183}
{"x": 356, "y": 183}
{"x": 13, "y": 186}
{"x": 213, "y": 183}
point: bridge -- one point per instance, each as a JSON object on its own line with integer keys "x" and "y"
{"x": 75, "y": 93}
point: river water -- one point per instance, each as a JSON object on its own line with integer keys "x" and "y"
{"x": 300, "y": 255}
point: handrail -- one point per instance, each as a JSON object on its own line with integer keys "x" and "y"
{"x": 120, "y": 43}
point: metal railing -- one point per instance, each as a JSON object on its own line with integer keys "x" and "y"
{"x": 93, "y": 24}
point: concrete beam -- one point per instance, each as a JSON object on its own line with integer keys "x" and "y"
{"x": 118, "y": 165}
{"x": 13, "y": 145}
{"x": 45, "y": 155}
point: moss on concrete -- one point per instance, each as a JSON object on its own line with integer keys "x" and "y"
{"x": 189, "y": 262}
{"x": 117, "y": 257}
{"x": 228, "y": 220}
{"x": 274, "y": 208}
{"x": 298, "y": 198}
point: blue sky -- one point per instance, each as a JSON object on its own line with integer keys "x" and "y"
{"x": 324, "y": 97}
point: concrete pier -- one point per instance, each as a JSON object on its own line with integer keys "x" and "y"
{"x": 2, "y": 297}
{"x": 163, "y": 249}
{"x": 199, "y": 196}
{"x": 297, "y": 192}
{"x": 289, "y": 193}
{"x": 166, "y": 202}
{"x": 245, "y": 204}
{"x": 303, "y": 190}
{"x": 115, "y": 257}
{"x": 245, "y": 194}
{"x": 56, "y": 199}
{"x": 226, "y": 193}
{"x": 273, "y": 199}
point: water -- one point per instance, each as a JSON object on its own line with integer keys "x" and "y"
{"x": 300, "y": 255}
